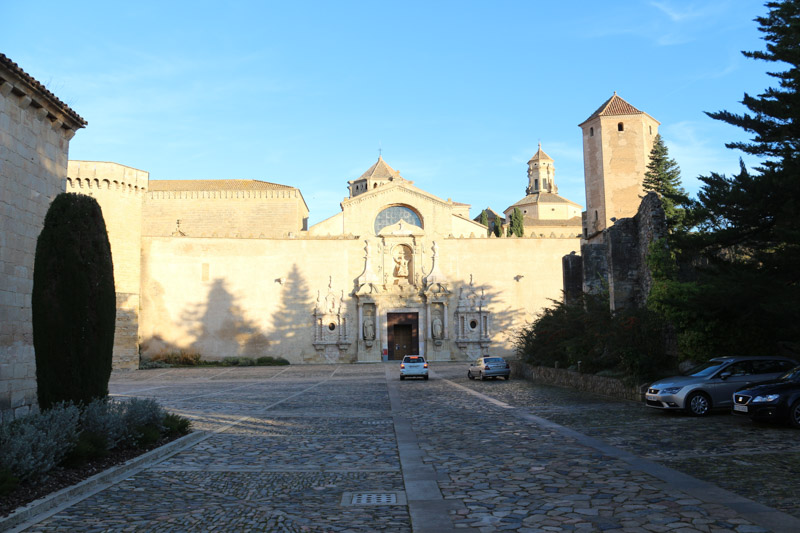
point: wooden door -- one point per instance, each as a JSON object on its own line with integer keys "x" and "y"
{"x": 402, "y": 341}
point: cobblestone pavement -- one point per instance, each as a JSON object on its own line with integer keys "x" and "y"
{"x": 288, "y": 447}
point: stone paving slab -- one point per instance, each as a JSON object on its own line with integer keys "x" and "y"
{"x": 467, "y": 456}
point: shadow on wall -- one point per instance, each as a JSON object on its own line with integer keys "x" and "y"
{"x": 219, "y": 327}
{"x": 503, "y": 322}
{"x": 292, "y": 322}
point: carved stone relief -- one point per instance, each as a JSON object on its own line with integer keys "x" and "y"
{"x": 330, "y": 324}
{"x": 472, "y": 322}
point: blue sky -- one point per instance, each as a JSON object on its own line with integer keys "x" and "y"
{"x": 455, "y": 94}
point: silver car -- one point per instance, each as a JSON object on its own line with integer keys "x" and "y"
{"x": 489, "y": 367}
{"x": 712, "y": 384}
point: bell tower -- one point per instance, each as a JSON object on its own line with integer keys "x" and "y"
{"x": 541, "y": 173}
{"x": 617, "y": 140}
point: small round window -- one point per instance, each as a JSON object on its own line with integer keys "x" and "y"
{"x": 473, "y": 324}
{"x": 393, "y": 215}
{"x": 331, "y": 326}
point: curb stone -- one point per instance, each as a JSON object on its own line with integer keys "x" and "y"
{"x": 107, "y": 477}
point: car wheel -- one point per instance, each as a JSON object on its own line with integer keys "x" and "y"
{"x": 794, "y": 414}
{"x": 698, "y": 404}
{"x": 507, "y": 377}
{"x": 426, "y": 377}
{"x": 402, "y": 378}
{"x": 483, "y": 377}
{"x": 469, "y": 374}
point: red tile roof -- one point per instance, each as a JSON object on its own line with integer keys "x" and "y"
{"x": 380, "y": 170}
{"x": 612, "y": 107}
{"x": 6, "y": 63}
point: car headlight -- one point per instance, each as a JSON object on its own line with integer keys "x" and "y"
{"x": 766, "y": 398}
{"x": 671, "y": 390}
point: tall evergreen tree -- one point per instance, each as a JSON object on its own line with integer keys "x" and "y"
{"x": 748, "y": 228}
{"x": 516, "y": 227}
{"x": 760, "y": 212}
{"x": 73, "y": 302}
{"x": 485, "y": 221}
{"x": 497, "y": 227}
{"x": 664, "y": 177}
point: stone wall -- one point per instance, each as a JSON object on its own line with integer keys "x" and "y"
{"x": 235, "y": 213}
{"x": 575, "y": 380}
{"x": 35, "y": 129}
{"x": 253, "y": 297}
{"x": 119, "y": 190}
{"x": 616, "y": 260}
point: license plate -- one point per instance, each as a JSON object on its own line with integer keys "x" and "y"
{"x": 740, "y": 408}
{"x": 651, "y": 397}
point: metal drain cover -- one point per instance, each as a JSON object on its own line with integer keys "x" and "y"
{"x": 374, "y": 498}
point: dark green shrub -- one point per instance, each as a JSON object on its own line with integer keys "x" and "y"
{"x": 180, "y": 358}
{"x": 268, "y": 360}
{"x": 238, "y": 361}
{"x": 176, "y": 424}
{"x": 7, "y": 481}
{"x": 90, "y": 445}
{"x": 147, "y": 435}
{"x": 73, "y": 303}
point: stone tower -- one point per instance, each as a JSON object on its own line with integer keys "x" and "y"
{"x": 617, "y": 140}
{"x": 541, "y": 173}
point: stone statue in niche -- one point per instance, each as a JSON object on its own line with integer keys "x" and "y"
{"x": 401, "y": 268}
{"x": 402, "y": 265}
{"x": 369, "y": 328}
{"x": 436, "y": 327}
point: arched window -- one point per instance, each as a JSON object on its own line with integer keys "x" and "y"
{"x": 394, "y": 214}
{"x": 620, "y": 127}
{"x": 374, "y": 185}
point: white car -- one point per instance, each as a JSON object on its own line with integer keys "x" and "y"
{"x": 414, "y": 366}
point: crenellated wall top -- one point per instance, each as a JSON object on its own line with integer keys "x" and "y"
{"x": 88, "y": 175}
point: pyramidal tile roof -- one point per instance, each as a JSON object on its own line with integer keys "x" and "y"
{"x": 214, "y": 185}
{"x": 540, "y": 155}
{"x": 380, "y": 170}
{"x": 614, "y": 106}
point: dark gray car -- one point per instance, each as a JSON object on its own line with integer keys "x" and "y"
{"x": 712, "y": 384}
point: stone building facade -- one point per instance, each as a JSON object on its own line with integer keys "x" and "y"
{"x": 230, "y": 268}
{"x": 35, "y": 130}
{"x": 397, "y": 271}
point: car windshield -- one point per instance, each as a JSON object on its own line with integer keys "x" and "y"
{"x": 706, "y": 369}
{"x": 791, "y": 375}
{"x": 492, "y": 359}
{"x": 413, "y": 360}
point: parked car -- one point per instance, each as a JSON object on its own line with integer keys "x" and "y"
{"x": 712, "y": 384}
{"x": 414, "y": 366}
{"x": 774, "y": 400}
{"x": 489, "y": 367}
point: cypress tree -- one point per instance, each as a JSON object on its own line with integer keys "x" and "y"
{"x": 73, "y": 303}
{"x": 664, "y": 177}
{"x": 485, "y": 222}
{"x": 516, "y": 227}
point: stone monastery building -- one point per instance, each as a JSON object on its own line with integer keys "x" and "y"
{"x": 231, "y": 268}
